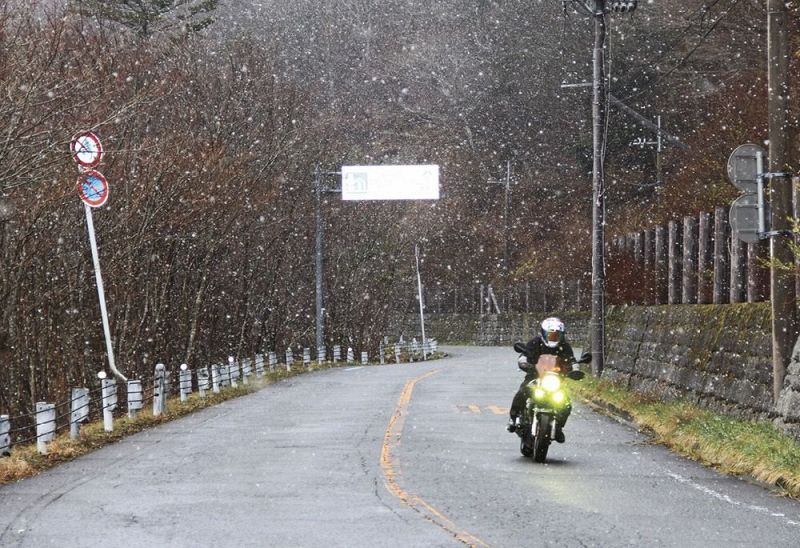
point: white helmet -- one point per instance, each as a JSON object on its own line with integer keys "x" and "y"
{"x": 552, "y": 332}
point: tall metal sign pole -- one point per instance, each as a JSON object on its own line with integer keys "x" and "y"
{"x": 598, "y": 191}
{"x": 421, "y": 304}
{"x": 783, "y": 293}
{"x": 93, "y": 190}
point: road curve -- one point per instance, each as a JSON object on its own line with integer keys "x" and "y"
{"x": 398, "y": 455}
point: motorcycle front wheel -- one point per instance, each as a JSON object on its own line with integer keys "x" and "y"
{"x": 541, "y": 439}
{"x": 526, "y": 441}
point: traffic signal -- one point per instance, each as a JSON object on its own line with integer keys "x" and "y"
{"x": 623, "y": 6}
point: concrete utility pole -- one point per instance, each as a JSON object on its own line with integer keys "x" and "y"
{"x": 320, "y": 311}
{"x": 598, "y": 191}
{"x": 784, "y": 321}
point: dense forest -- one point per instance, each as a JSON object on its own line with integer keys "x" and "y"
{"x": 214, "y": 115}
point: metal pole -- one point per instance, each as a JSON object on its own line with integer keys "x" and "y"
{"x": 506, "y": 227}
{"x": 421, "y": 312}
{"x": 598, "y": 190}
{"x": 784, "y": 321}
{"x": 101, "y": 296}
{"x": 318, "y": 257}
{"x": 658, "y": 153}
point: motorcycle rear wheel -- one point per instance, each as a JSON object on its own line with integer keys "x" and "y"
{"x": 541, "y": 440}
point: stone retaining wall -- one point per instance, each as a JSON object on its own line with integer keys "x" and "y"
{"x": 719, "y": 356}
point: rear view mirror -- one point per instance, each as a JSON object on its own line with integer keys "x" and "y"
{"x": 520, "y": 347}
{"x": 576, "y": 375}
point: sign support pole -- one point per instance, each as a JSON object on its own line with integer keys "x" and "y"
{"x": 101, "y": 293}
{"x": 421, "y": 312}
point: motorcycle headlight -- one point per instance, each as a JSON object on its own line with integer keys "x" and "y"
{"x": 551, "y": 383}
{"x": 538, "y": 393}
{"x": 559, "y": 397}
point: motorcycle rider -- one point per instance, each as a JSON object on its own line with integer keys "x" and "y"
{"x": 551, "y": 340}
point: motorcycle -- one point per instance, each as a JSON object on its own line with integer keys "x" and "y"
{"x": 547, "y": 397}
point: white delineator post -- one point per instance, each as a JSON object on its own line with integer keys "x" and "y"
{"x": 421, "y": 304}
{"x": 202, "y": 381}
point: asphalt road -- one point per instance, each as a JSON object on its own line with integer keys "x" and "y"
{"x": 399, "y": 455}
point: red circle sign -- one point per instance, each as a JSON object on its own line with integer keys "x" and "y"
{"x": 93, "y": 188}
{"x": 86, "y": 149}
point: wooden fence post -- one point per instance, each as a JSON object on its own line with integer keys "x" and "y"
{"x": 722, "y": 259}
{"x": 757, "y": 272}
{"x": 661, "y": 268}
{"x": 674, "y": 262}
{"x": 738, "y": 289}
{"x": 689, "y": 279}
{"x": 648, "y": 249}
{"x": 705, "y": 258}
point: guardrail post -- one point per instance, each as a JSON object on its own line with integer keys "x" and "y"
{"x": 364, "y": 358}
{"x": 259, "y": 365}
{"x": 185, "y": 380}
{"x": 135, "y": 397}
{"x": 337, "y": 353}
{"x": 396, "y": 352}
{"x": 233, "y": 372}
{"x": 247, "y": 370}
{"x": 289, "y": 359}
{"x": 307, "y": 358}
{"x": 78, "y": 411}
{"x": 350, "y": 357}
{"x": 109, "y": 391}
{"x": 215, "y": 380}
{"x": 5, "y": 436}
{"x": 202, "y": 381}
{"x": 321, "y": 353}
{"x": 45, "y": 425}
{"x": 159, "y": 390}
{"x": 381, "y": 351}
{"x": 273, "y": 360}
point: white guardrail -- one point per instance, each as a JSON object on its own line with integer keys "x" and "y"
{"x": 49, "y": 418}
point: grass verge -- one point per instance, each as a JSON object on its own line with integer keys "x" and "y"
{"x": 733, "y": 446}
{"x": 25, "y": 461}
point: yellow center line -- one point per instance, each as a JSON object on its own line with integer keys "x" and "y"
{"x": 390, "y": 465}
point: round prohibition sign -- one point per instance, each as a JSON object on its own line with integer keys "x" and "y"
{"x": 87, "y": 150}
{"x": 93, "y": 188}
